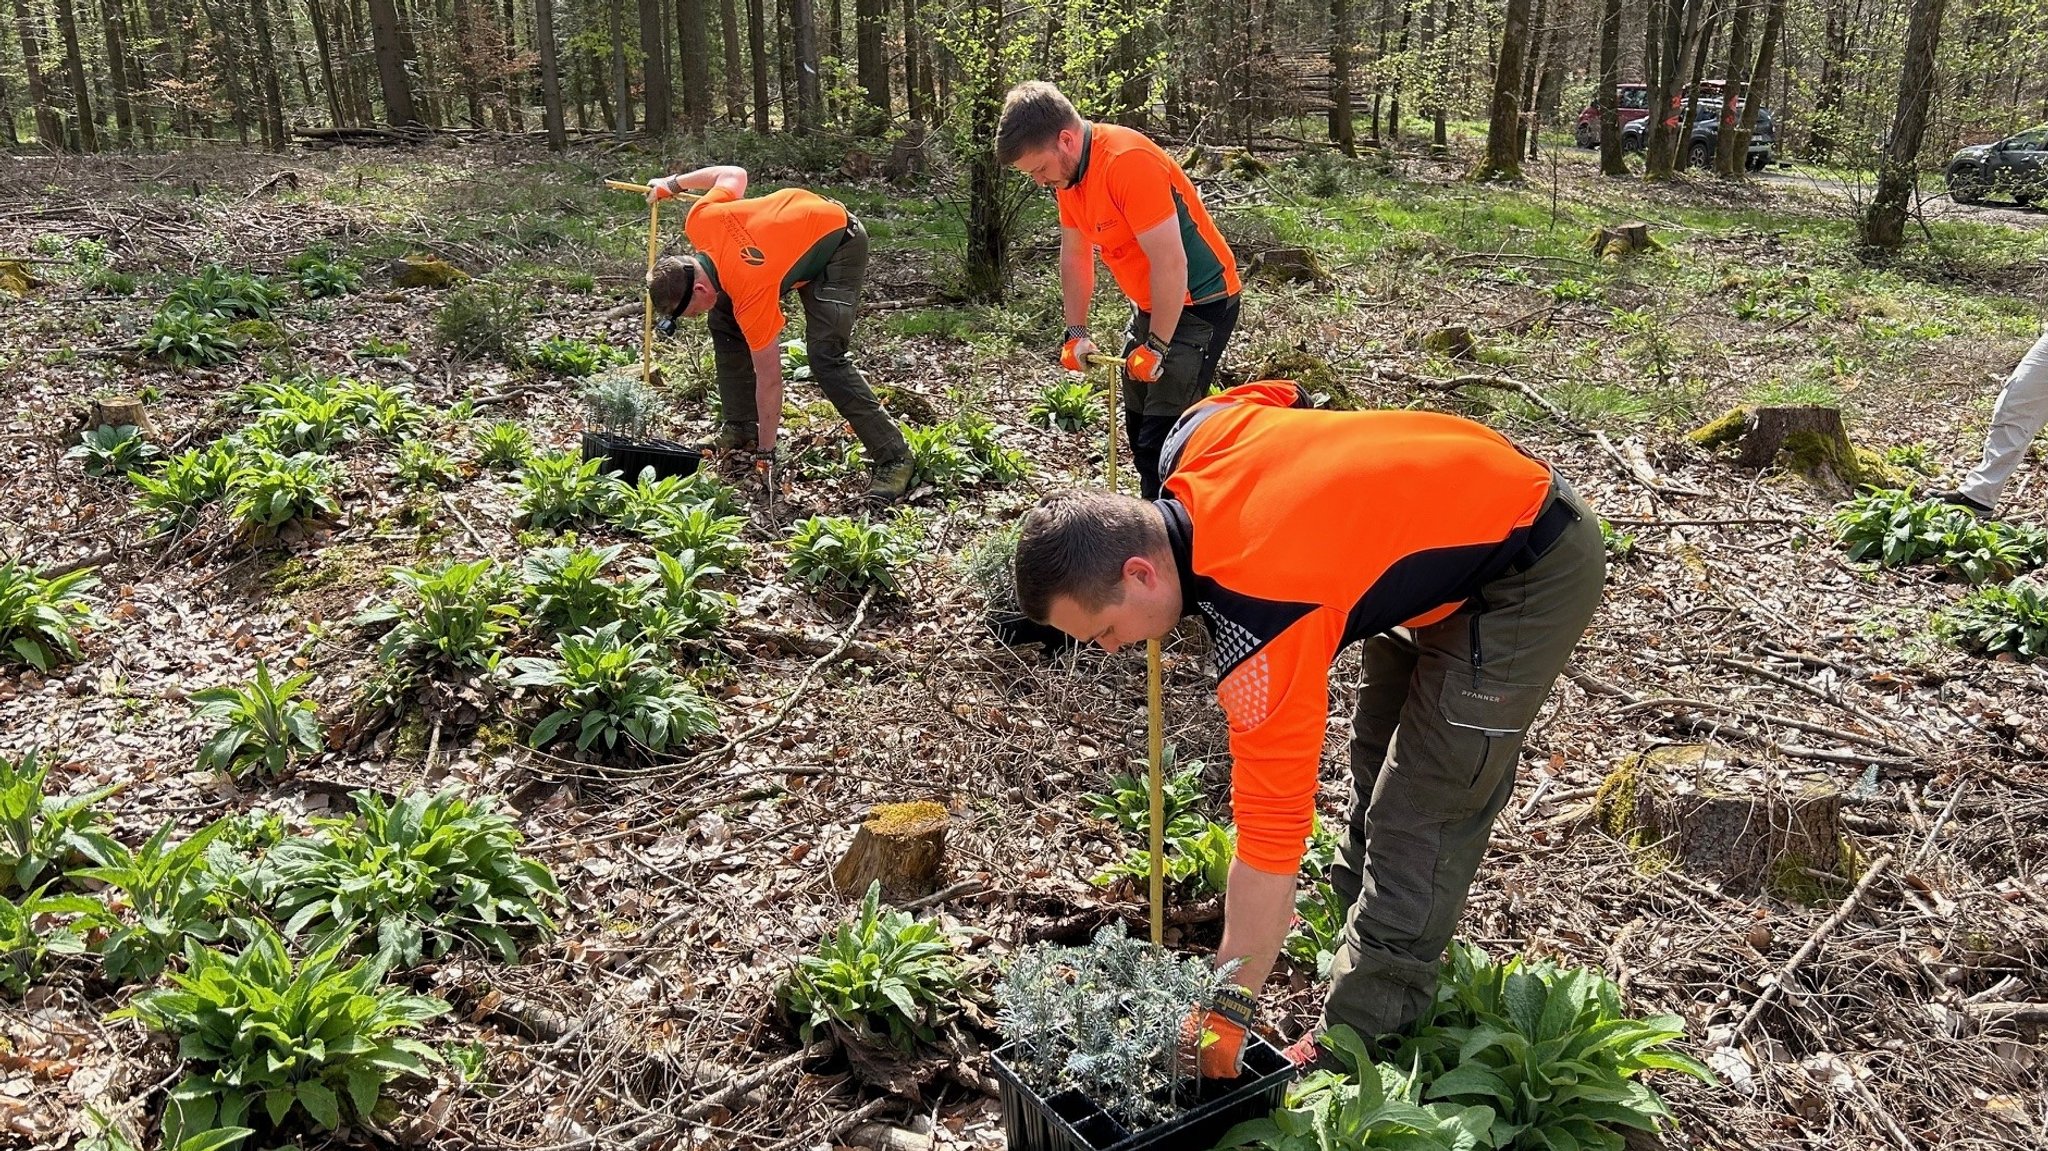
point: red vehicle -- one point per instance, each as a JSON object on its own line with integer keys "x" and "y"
{"x": 1634, "y": 101}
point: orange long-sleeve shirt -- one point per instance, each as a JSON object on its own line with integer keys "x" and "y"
{"x": 755, "y": 250}
{"x": 1298, "y": 531}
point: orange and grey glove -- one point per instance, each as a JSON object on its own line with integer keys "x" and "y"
{"x": 1147, "y": 361}
{"x": 1220, "y": 1029}
{"x": 661, "y": 188}
{"x": 1075, "y": 352}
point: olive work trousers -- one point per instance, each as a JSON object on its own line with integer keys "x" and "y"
{"x": 1435, "y": 738}
{"x": 831, "y": 303}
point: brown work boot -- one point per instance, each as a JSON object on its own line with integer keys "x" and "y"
{"x": 731, "y": 437}
{"x": 889, "y": 481}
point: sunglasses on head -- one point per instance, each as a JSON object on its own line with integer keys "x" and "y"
{"x": 666, "y": 325}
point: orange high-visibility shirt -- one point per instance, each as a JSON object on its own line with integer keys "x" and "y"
{"x": 1298, "y": 531}
{"x": 755, "y": 250}
{"x": 1127, "y": 185}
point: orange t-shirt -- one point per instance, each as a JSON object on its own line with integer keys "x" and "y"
{"x": 1298, "y": 531}
{"x": 755, "y": 250}
{"x": 1127, "y": 185}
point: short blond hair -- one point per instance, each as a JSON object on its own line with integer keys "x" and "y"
{"x": 1034, "y": 114}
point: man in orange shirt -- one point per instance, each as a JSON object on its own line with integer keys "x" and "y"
{"x": 749, "y": 253}
{"x": 1123, "y": 198}
{"x": 1468, "y": 568}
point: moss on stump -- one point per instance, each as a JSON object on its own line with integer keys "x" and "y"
{"x": 900, "y": 845}
{"x": 425, "y": 272}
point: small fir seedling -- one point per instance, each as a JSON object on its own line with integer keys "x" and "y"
{"x": 883, "y": 977}
{"x": 622, "y": 404}
{"x": 263, "y": 725}
{"x": 483, "y": 319}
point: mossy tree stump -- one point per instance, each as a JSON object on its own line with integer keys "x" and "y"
{"x": 121, "y": 411}
{"x": 1807, "y": 439}
{"x": 425, "y": 272}
{"x": 1690, "y": 804}
{"x": 1288, "y": 266}
{"x": 902, "y": 845}
{"x": 1612, "y": 243}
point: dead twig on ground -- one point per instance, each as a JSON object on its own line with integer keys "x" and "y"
{"x": 1813, "y": 944}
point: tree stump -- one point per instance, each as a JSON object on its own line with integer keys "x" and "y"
{"x": 903, "y": 845}
{"x": 1622, "y": 240}
{"x": 424, "y": 272}
{"x": 1455, "y": 342}
{"x": 1756, "y": 831}
{"x": 16, "y": 279}
{"x": 1288, "y": 266}
{"x": 1809, "y": 440}
{"x": 119, "y": 411}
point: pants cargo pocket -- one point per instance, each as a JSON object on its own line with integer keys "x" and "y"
{"x": 1483, "y": 720}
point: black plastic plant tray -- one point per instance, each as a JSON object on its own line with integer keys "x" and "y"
{"x": 629, "y": 456}
{"x": 1070, "y": 1121}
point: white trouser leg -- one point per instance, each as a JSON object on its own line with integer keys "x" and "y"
{"x": 2021, "y": 413}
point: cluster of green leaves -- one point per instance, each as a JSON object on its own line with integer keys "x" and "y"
{"x": 566, "y": 589}
{"x": 262, "y": 725}
{"x": 189, "y": 339}
{"x": 425, "y": 872}
{"x": 384, "y": 411}
{"x": 567, "y": 356}
{"x": 42, "y": 833}
{"x": 1197, "y": 850}
{"x": 1068, "y": 406}
{"x": 264, "y": 1038}
{"x": 184, "y": 484}
{"x": 30, "y": 934}
{"x": 846, "y": 555}
{"x": 2000, "y": 619}
{"x": 615, "y": 690}
{"x": 562, "y": 488}
{"x": 1571, "y": 291}
{"x": 680, "y": 604}
{"x": 172, "y": 892}
{"x": 961, "y": 453}
{"x": 1318, "y": 928}
{"x": 322, "y": 274}
{"x": 502, "y": 445}
{"x": 39, "y": 617}
{"x": 1366, "y": 1106}
{"x": 109, "y": 448}
{"x": 1620, "y": 546}
{"x": 422, "y": 466}
{"x": 1896, "y": 529}
{"x": 454, "y": 618}
{"x": 695, "y": 513}
{"x": 1549, "y": 1050}
{"x": 271, "y": 490}
{"x": 225, "y": 294}
{"x": 298, "y": 416}
{"x": 484, "y": 318}
{"x": 1199, "y": 859}
{"x": 881, "y": 976}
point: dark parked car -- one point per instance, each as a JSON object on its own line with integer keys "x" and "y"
{"x": 1634, "y": 101}
{"x": 2016, "y": 166}
{"x": 1706, "y": 137}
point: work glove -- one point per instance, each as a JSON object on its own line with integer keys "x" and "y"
{"x": 770, "y": 465}
{"x": 661, "y": 188}
{"x": 1219, "y": 1029}
{"x": 1075, "y": 352}
{"x": 1147, "y": 361}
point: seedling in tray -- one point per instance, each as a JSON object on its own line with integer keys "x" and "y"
{"x": 1101, "y": 1055}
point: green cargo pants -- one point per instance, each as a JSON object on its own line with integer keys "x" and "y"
{"x": 831, "y": 303}
{"x": 1435, "y": 737}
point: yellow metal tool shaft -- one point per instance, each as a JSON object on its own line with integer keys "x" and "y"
{"x": 653, "y": 254}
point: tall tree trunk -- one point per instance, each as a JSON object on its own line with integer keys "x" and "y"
{"x": 550, "y": 73}
{"x": 1612, "y": 162}
{"x": 511, "y": 86}
{"x": 1401, "y": 50}
{"x": 654, "y": 91}
{"x": 803, "y": 35}
{"x": 694, "y": 32}
{"x": 465, "y": 49}
{"x": 1503, "y": 158}
{"x": 8, "y": 134}
{"x": 1341, "y": 131}
{"x": 117, "y": 72}
{"x": 1760, "y": 79}
{"x": 871, "y": 42}
{"x": 1681, "y": 17}
{"x": 326, "y": 50}
{"x": 735, "y": 63}
{"x": 289, "y": 36}
{"x": 266, "y": 68}
{"x": 757, "y": 59}
{"x": 391, "y": 76}
{"x": 1728, "y": 161}
{"x": 1697, "y": 50}
{"x": 430, "y": 94}
{"x": 622, "y": 96}
{"x": 1540, "y": 21}
{"x": 1882, "y": 229}
{"x": 74, "y": 71}
{"x": 985, "y": 273}
{"x": 913, "y": 64}
{"x": 228, "y": 37}
{"x": 1827, "y": 100}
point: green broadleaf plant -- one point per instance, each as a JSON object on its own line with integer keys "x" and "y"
{"x": 264, "y": 724}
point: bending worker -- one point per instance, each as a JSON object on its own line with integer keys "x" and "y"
{"x": 1120, "y": 196}
{"x": 749, "y": 253}
{"x": 1468, "y": 568}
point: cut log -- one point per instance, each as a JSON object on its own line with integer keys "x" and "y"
{"x": 121, "y": 411}
{"x": 1623, "y": 240}
{"x": 1288, "y": 266}
{"x": 901, "y": 845}
{"x": 1690, "y": 804}
{"x": 1808, "y": 440}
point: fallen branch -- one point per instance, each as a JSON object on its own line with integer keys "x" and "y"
{"x": 2008, "y": 1012}
{"x": 737, "y": 1087}
{"x": 448, "y": 501}
{"x": 1811, "y": 946}
{"x": 796, "y": 693}
{"x": 1669, "y": 703}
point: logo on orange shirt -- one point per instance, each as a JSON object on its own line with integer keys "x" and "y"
{"x": 753, "y": 256}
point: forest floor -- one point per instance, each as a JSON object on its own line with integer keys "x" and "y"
{"x": 692, "y": 883}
